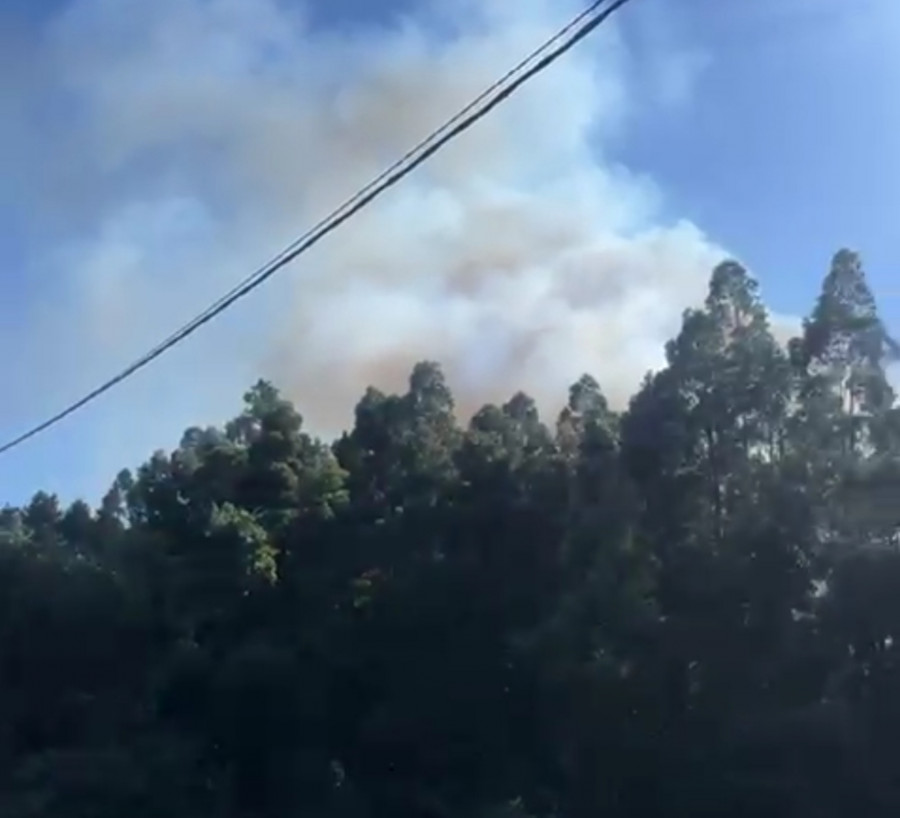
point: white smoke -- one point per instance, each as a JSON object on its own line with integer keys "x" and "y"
{"x": 203, "y": 135}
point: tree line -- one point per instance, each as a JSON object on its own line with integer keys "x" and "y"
{"x": 688, "y": 608}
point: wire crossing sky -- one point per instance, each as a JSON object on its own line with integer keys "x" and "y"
{"x": 570, "y": 35}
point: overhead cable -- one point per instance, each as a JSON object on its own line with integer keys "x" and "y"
{"x": 550, "y": 51}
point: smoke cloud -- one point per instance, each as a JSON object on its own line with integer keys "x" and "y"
{"x": 203, "y": 135}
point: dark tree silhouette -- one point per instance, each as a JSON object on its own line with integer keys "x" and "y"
{"x": 691, "y": 608}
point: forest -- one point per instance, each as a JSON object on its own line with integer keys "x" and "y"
{"x": 686, "y": 608}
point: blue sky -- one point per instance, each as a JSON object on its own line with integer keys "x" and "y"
{"x": 789, "y": 146}
{"x": 153, "y": 155}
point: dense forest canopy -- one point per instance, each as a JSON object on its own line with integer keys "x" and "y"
{"x": 685, "y": 609}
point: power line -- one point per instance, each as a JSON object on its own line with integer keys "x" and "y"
{"x": 579, "y": 28}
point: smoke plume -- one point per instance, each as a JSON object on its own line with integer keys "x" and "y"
{"x": 203, "y": 135}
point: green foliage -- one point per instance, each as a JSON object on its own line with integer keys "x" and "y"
{"x": 687, "y": 608}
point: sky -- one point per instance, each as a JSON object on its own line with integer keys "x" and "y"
{"x": 153, "y": 154}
